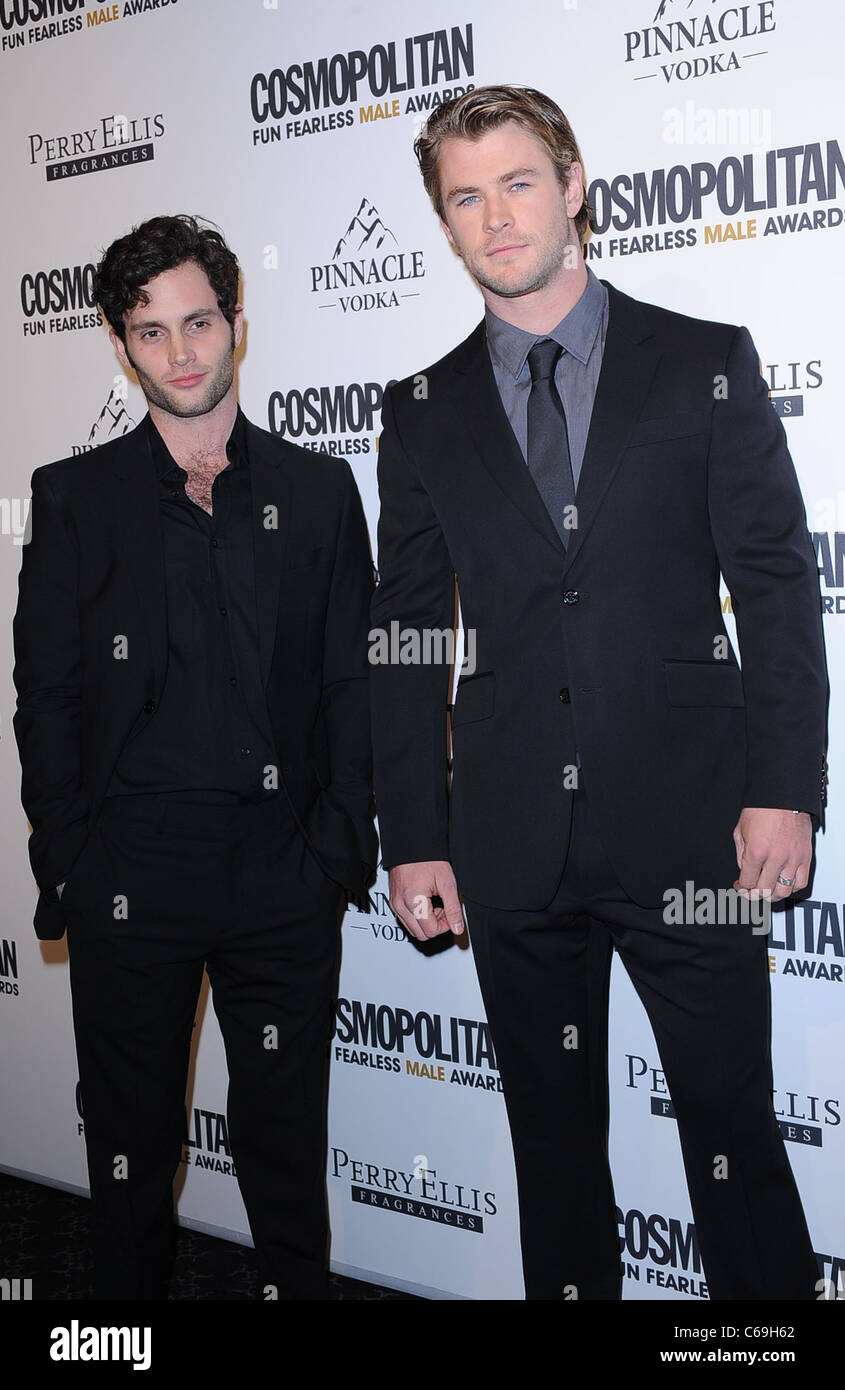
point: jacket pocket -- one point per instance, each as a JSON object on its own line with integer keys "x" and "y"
{"x": 475, "y": 699}
{"x": 690, "y": 683}
{"x": 669, "y": 427}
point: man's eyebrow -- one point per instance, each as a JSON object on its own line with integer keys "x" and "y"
{"x": 503, "y": 178}
{"x": 141, "y": 325}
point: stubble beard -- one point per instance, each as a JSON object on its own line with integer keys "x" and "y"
{"x": 212, "y": 392}
{"x": 552, "y": 261}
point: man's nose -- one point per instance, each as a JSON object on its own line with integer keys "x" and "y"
{"x": 181, "y": 348}
{"x": 497, "y": 214}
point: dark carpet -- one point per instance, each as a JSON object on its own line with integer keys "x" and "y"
{"x": 44, "y": 1237}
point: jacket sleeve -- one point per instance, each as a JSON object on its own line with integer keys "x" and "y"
{"x": 416, "y": 591}
{"x": 47, "y": 677}
{"x": 766, "y": 556}
{"x": 346, "y": 674}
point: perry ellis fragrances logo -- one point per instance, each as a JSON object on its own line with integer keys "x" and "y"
{"x": 803, "y": 1119}
{"x": 361, "y": 84}
{"x": 367, "y": 269}
{"x": 421, "y": 1191}
{"x": 114, "y": 142}
{"x": 788, "y": 382}
{"x": 696, "y": 38}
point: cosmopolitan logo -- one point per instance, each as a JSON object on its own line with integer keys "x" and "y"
{"x": 787, "y": 383}
{"x": 678, "y": 45}
{"x": 669, "y": 1245}
{"x": 115, "y": 142}
{"x": 50, "y": 299}
{"x": 371, "y": 76}
{"x": 810, "y": 936}
{"x": 207, "y": 1142}
{"x": 313, "y": 413}
{"x": 55, "y": 19}
{"x": 390, "y": 1033}
{"x": 792, "y": 177}
{"x": 830, "y": 558}
{"x": 8, "y": 967}
{"x": 367, "y": 269}
{"x": 421, "y": 1193}
{"x": 802, "y": 1119}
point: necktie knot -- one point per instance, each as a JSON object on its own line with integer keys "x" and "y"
{"x": 543, "y": 359}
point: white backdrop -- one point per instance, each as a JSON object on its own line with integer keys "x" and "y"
{"x": 710, "y": 135}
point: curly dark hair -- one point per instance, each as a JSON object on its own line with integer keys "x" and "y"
{"x": 160, "y": 244}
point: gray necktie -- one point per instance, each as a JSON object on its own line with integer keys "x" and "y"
{"x": 548, "y": 442}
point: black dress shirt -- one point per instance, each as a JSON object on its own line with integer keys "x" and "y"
{"x": 209, "y": 737}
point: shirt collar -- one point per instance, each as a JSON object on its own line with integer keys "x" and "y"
{"x": 166, "y": 465}
{"x": 577, "y": 331}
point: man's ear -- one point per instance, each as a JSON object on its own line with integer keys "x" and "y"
{"x": 574, "y": 189}
{"x": 120, "y": 349}
{"x": 449, "y": 237}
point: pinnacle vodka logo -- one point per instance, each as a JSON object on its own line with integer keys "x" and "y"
{"x": 368, "y": 269}
{"x": 687, "y": 39}
{"x": 113, "y": 420}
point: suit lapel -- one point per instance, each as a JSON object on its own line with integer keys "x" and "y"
{"x": 139, "y": 529}
{"x": 271, "y": 505}
{"x": 628, "y": 365}
{"x": 476, "y": 399}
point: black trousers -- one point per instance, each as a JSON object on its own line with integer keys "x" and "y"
{"x": 706, "y": 992}
{"x": 161, "y": 889}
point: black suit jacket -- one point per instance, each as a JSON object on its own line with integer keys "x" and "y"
{"x": 686, "y": 471}
{"x": 93, "y": 570}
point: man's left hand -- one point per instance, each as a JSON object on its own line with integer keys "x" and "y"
{"x": 772, "y": 845}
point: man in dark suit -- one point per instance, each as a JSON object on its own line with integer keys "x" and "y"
{"x": 582, "y": 467}
{"x": 193, "y": 729}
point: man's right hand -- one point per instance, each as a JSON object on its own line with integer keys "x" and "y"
{"x": 412, "y": 886}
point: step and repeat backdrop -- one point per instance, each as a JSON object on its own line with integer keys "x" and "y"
{"x": 711, "y": 134}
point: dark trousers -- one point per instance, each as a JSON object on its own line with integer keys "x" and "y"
{"x": 706, "y": 992}
{"x": 161, "y": 889}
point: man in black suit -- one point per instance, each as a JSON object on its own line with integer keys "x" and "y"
{"x": 582, "y": 466}
{"x": 193, "y": 728}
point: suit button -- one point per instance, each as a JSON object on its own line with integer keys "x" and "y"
{"x": 564, "y": 694}
{"x": 149, "y": 706}
{"x": 572, "y": 596}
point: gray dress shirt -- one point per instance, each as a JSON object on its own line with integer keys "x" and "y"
{"x": 582, "y": 333}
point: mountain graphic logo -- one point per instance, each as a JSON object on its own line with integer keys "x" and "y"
{"x": 366, "y": 232}
{"x": 667, "y": 6}
{"x": 113, "y": 420}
